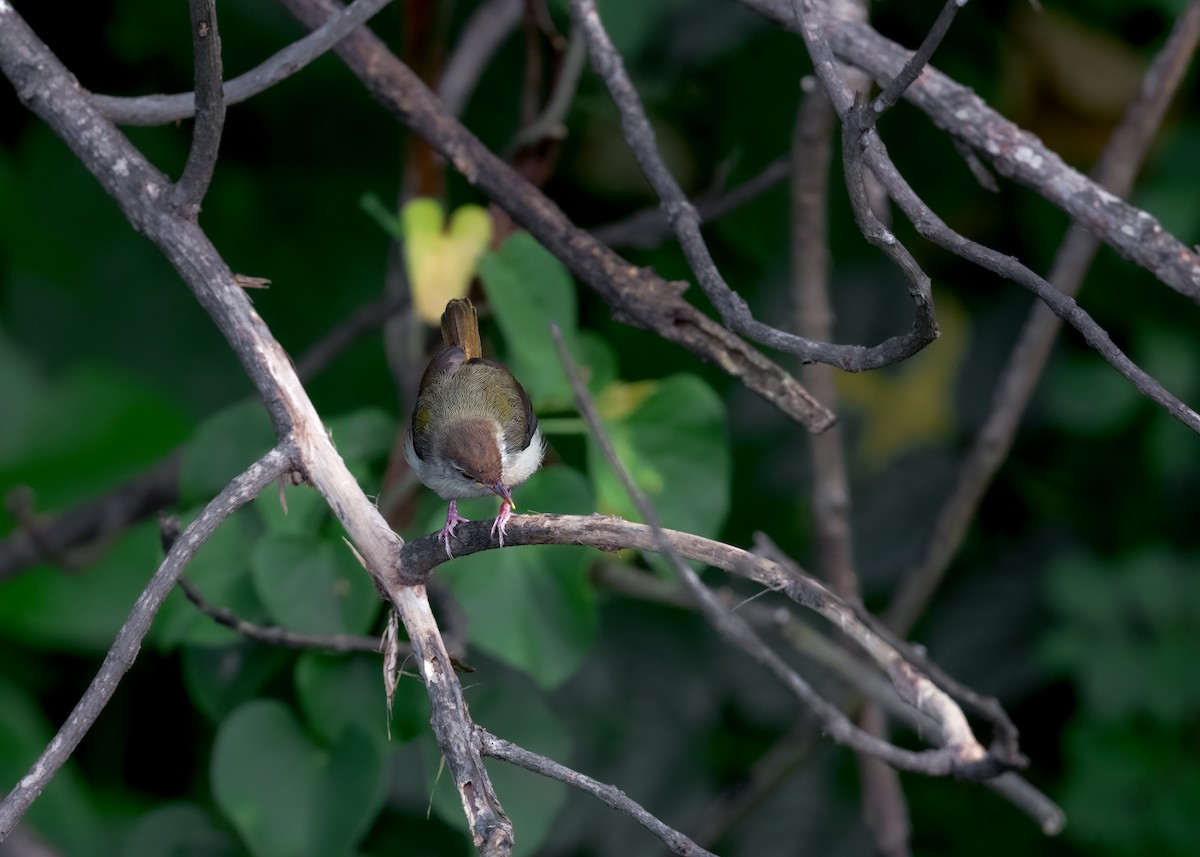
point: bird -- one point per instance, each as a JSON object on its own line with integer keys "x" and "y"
{"x": 473, "y": 431}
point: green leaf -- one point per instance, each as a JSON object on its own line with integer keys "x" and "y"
{"x": 178, "y": 830}
{"x": 531, "y": 801}
{"x": 528, "y": 289}
{"x": 220, "y": 679}
{"x": 225, "y": 445}
{"x": 1086, "y": 396}
{"x": 288, "y": 796}
{"x": 339, "y": 692}
{"x": 73, "y": 436}
{"x": 81, "y": 612}
{"x": 532, "y": 607}
{"x": 313, "y": 586}
{"x": 672, "y": 437}
{"x": 364, "y": 435}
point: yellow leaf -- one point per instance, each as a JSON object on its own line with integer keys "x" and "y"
{"x": 911, "y": 403}
{"x": 442, "y": 262}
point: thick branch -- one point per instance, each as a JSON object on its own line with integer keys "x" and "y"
{"x": 962, "y": 756}
{"x": 52, "y": 92}
{"x": 1014, "y": 152}
{"x": 1116, "y": 169}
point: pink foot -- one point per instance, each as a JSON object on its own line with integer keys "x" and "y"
{"x": 453, "y": 519}
{"x": 502, "y": 519}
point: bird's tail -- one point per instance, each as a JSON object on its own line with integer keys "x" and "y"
{"x": 460, "y": 326}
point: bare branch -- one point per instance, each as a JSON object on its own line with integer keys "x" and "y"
{"x": 858, "y": 675}
{"x": 1116, "y": 169}
{"x": 548, "y": 124}
{"x": 210, "y": 109}
{"x": 637, "y": 296}
{"x": 612, "y": 796}
{"x": 490, "y": 24}
{"x": 827, "y": 29}
{"x": 50, "y": 91}
{"x": 961, "y": 754}
{"x": 931, "y": 227}
{"x": 650, "y": 227}
{"x": 812, "y": 153}
{"x": 273, "y": 636}
{"x": 685, "y": 222}
{"x": 125, "y": 648}
{"x": 164, "y": 109}
{"x": 896, "y": 87}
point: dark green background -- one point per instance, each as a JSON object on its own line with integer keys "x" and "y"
{"x": 1075, "y": 598}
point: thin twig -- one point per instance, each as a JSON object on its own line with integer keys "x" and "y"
{"x": 1116, "y": 169}
{"x": 490, "y": 24}
{"x": 124, "y": 650}
{"x": 164, "y": 109}
{"x": 637, "y": 296}
{"x": 210, "y": 109}
{"x": 274, "y": 636}
{"x": 650, "y": 226}
{"x": 961, "y": 753}
{"x": 811, "y": 158}
{"x": 858, "y": 675}
{"x": 612, "y": 796}
{"x": 891, "y": 93}
{"x": 549, "y": 122}
{"x": 685, "y": 222}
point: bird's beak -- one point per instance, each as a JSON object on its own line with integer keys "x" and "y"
{"x": 504, "y": 492}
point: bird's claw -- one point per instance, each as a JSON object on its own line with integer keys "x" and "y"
{"x": 501, "y": 520}
{"x": 453, "y": 519}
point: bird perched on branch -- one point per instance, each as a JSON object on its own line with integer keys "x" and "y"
{"x": 473, "y": 431}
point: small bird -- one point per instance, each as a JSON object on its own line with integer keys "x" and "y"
{"x": 473, "y": 431}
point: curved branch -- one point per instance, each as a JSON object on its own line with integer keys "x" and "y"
{"x": 1014, "y": 152}
{"x": 125, "y": 648}
{"x": 685, "y": 222}
{"x": 509, "y": 752}
{"x": 165, "y": 109}
{"x": 962, "y": 756}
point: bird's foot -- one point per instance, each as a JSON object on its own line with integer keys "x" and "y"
{"x": 453, "y": 519}
{"x": 501, "y": 520}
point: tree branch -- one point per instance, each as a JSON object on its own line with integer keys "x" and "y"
{"x": 637, "y": 296}
{"x": 650, "y": 226}
{"x": 52, "y": 92}
{"x": 612, "y": 796}
{"x": 210, "y": 109}
{"x": 961, "y": 753}
{"x": 685, "y": 222}
{"x": 125, "y": 648}
{"x": 1015, "y": 153}
{"x": 1116, "y": 170}
{"x": 165, "y": 109}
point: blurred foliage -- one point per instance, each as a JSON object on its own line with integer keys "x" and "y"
{"x": 1074, "y": 599}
